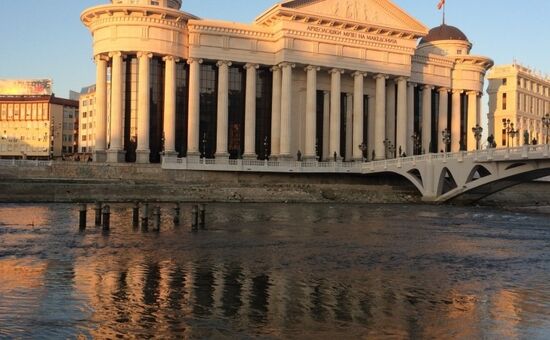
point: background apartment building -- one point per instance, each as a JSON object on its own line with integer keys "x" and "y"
{"x": 518, "y": 94}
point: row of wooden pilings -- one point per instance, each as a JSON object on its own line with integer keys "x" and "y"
{"x": 148, "y": 215}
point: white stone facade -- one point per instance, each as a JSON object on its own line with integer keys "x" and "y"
{"x": 518, "y": 94}
{"x": 347, "y": 80}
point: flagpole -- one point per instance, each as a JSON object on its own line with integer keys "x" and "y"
{"x": 444, "y": 5}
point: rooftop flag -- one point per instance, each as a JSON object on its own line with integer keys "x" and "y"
{"x": 441, "y": 4}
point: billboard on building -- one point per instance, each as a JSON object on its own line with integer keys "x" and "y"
{"x": 34, "y": 87}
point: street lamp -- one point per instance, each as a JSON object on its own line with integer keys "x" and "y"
{"x": 478, "y": 131}
{"x": 509, "y": 131}
{"x": 546, "y": 124}
{"x": 416, "y": 143}
{"x": 390, "y": 148}
{"x": 446, "y": 138}
{"x": 265, "y": 148}
{"x": 204, "y": 140}
{"x": 363, "y": 147}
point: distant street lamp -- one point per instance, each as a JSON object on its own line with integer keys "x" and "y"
{"x": 204, "y": 140}
{"x": 363, "y": 147}
{"x": 390, "y": 148}
{"x": 266, "y": 144}
{"x": 417, "y": 143}
{"x": 446, "y": 137}
{"x": 478, "y": 131}
{"x": 546, "y": 124}
{"x": 509, "y": 131}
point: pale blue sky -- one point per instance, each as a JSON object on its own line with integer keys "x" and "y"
{"x": 45, "y": 39}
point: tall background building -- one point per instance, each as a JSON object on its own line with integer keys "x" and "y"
{"x": 518, "y": 94}
{"x": 34, "y": 123}
{"x": 318, "y": 78}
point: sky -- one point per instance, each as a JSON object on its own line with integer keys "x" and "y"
{"x": 45, "y": 38}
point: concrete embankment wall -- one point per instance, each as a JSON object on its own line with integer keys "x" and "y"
{"x": 73, "y": 182}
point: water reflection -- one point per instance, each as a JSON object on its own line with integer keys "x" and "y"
{"x": 357, "y": 271}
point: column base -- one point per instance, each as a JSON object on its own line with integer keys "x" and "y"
{"x": 250, "y": 157}
{"x": 142, "y": 156}
{"x": 116, "y": 156}
{"x": 309, "y": 158}
{"x": 222, "y": 158}
{"x": 169, "y": 155}
{"x": 193, "y": 157}
{"x": 285, "y": 158}
{"x": 99, "y": 156}
{"x": 358, "y": 160}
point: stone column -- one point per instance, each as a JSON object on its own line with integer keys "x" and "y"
{"x": 193, "y": 128}
{"x": 286, "y": 109}
{"x": 223, "y": 110}
{"x": 115, "y": 154}
{"x": 170, "y": 106}
{"x": 380, "y": 117}
{"x": 472, "y": 119}
{"x": 335, "y": 114}
{"x": 276, "y": 113}
{"x": 101, "y": 109}
{"x": 143, "y": 152}
{"x": 250, "y": 113}
{"x": 390, "y": 111}
{"x": 443, "y": 117}
{"x": 371, "y": 118}
{"x": 455, "y": 121}
{"x": 410, "y": 118}
{"x": 402, "y": 137}
{"x": 426, "y": 118}
{"x": 326, "y": 125}
{"x": 358, "y": 114}
{"x": 349, "y": 127}
{"x": 311, "y": 113}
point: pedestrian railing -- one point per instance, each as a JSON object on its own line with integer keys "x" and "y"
{"x": 24, "y": 163}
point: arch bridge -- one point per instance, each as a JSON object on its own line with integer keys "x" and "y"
{"x": 439, "y": 178}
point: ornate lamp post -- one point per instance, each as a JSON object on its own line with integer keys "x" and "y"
{"x": 546, "y": 124}
{"x": 446, "y": 138}
{"x": 204, "y": 140}
{"x": 509, "y": 131}
{"x": 363, "y": 147}
{"x": 478, "y": 131}
{"x": 266, "y": 144}
{"x": 416, "y": 143}
{"x": 390, "y": 148}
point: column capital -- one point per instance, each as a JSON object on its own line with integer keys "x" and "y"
{"x": 401, "y": 78}
{"x": 412, "y": 84}
{"x": 224, "y": 63}
{"x": 359, "y": 74}
{"x": 275, "y": 68}
{"x": 472, "y": 93}
{"x": 443, "y": 89}
{"x": 457, "y": 91}
{"x": 311, "y": 68}
{"x": 145, "y": 54}
{"x": 194, "y": 60}
{"x": 336, "y": 70}
{"x": 380, "y": 76}
{"x": 287, "y": 64}
{"x": 170, "y": 58}
{"x": 427, "y": 87}
{"x": 101, "y": 57}
{"x": 251, "y": 65}
{"x": 117, "y": 54}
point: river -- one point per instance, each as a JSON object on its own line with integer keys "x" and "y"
{"x": 274, "y": 271}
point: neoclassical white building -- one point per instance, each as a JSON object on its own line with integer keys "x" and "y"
{"x": 316, "y": 78}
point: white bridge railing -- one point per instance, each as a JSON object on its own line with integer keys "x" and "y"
{"x": 489, "y": 155}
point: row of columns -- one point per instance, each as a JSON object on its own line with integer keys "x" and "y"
{"x": 389, "y": 115}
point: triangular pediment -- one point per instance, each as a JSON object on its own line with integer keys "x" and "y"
{"x": 382, "y": 13}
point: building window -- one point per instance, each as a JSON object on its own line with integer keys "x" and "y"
{"x": 83, "y": 138}
{"x": 504, "y": 81}
{"x": 459, "y": 52}
{"x": 84, "y": 114}
{"x": 504, "y": 101}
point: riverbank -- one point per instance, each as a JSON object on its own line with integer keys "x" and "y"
{"x": 78, "y": 182}
{"x": 75, "y": 182}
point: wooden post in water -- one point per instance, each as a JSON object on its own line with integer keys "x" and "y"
{"x": 82, "y": 216}
{"x": 157, "y": 218}
{"x": 106, "y": 217}
{"x": 97, "y": 214}
{"x": 195, "y": 218}
{"x": 202, "y": 216}
{"x": 135, "y": 215}
{"x": 145, "y": 217}
{"x": 177, "y": 214}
